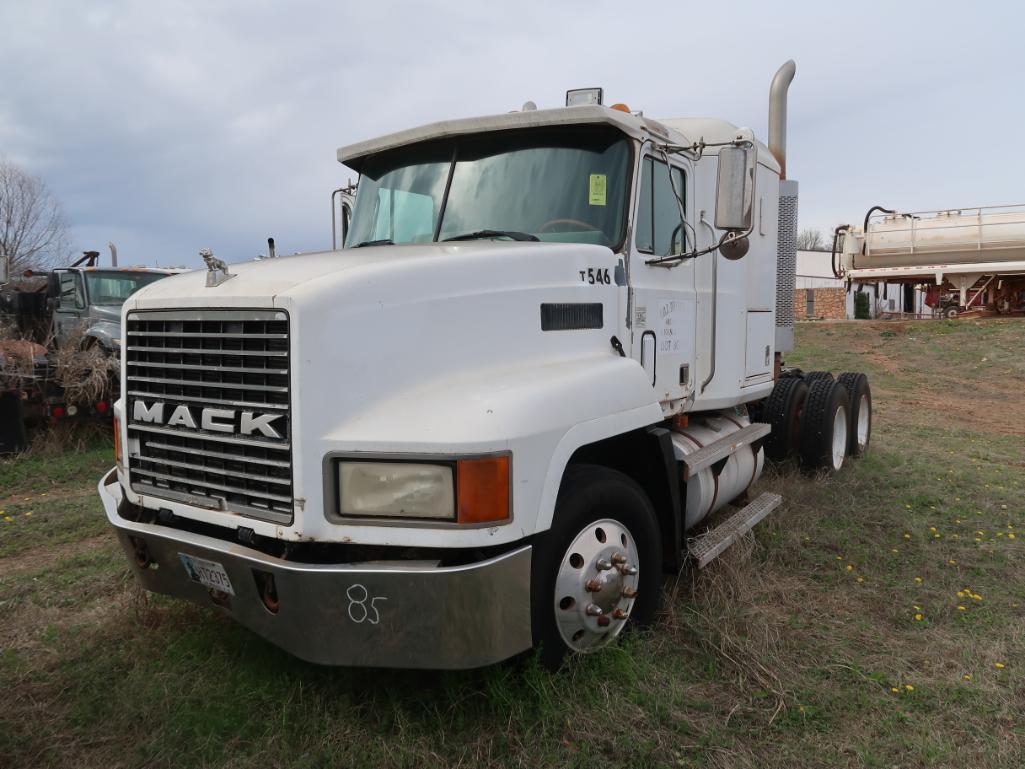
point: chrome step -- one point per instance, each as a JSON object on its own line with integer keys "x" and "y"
{"x": 722, "y": 448}
{"x": 709, "y": 546}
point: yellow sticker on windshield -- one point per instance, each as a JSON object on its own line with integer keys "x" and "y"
{"x": 596, "y": 192}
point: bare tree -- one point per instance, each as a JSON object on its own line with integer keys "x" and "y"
{"x": 33, "y": 231}
{"x": 811, "y": 240}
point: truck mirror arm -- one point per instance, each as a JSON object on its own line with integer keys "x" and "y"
{"x": 672, "y": 260}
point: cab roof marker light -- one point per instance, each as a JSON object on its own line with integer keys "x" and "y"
{"x": 579, "y": 97}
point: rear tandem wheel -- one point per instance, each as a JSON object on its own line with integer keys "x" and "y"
{"x": 824, "y": 426}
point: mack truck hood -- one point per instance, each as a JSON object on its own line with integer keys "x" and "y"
{"x": 259, "y": 283}
{"x": 458, "y": 349}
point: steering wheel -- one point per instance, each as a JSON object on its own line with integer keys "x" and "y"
{"x": 553, "y": 222}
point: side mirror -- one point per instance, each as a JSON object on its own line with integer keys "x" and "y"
{"x": 734, "y": 193}
{"x": 5, "y": 270}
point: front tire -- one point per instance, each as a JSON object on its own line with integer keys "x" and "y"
{"x": 584, "y": 590}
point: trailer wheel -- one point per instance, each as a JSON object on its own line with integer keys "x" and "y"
{"x": 860, "y": 427}
{"x": 599, "y": 568}
{"x": 814, "y": 376}
{"x": 824, "y": 426}
{"x": 950, "y": 312}
{"x": 782, "y": 410}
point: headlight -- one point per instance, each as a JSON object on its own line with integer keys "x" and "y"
{"x": 396, "y": 489}
{"x": 464, "y": 491}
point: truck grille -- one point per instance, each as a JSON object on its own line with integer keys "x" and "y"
{"x": 207, "y": 409}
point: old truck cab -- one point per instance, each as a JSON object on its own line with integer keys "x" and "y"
{"x": 488, "y": 420}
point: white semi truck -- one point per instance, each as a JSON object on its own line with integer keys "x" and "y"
{"x": 501, "y": 412}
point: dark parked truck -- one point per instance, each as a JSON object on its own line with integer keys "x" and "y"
{"x": 546, "y": 357}
{"x": 59, "y": 343}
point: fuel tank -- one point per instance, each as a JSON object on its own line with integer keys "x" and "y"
{"x": 708, "y": 490}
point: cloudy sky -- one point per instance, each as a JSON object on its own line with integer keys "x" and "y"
{"x": 170, "y": 126}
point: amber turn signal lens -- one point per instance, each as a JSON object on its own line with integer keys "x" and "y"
{"x": 117, "y": 441}
{"x": 482, "y": 490}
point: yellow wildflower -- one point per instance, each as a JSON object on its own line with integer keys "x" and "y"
{"x": 907, "y": 536}
{"x": 861, "y": 579}
{"x": 895, "y": 690}
{"x": 850, "y": 568}
{"x": 962, "y": 608}
{"x": 909, "y": 687}
{"x": 918, "y": 580}
{"x": 998, "y": 665}
{"x": 919, "y": 617}
{"x": 967, "y": 677}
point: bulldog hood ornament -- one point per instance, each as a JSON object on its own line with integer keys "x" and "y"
{"x": 217, "y": 270}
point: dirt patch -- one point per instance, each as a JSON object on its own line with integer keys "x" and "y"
{"x": 45, "y": 557}
{"x": 987, "y": 415}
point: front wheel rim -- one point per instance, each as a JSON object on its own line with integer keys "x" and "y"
{"x": 839, "y": 437}
{"x": 596, "y": 585}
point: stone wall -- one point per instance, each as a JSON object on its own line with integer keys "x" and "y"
{"x": 828, "y": 303}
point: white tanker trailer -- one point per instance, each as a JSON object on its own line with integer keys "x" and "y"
{"x": 977, "y": 252}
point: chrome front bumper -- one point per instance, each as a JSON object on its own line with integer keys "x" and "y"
{"x": 377, "y": 614}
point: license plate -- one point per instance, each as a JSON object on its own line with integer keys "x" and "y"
{"x": 208, "y": 573}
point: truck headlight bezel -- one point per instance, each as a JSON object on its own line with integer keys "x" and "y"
{"x": 471, "y": 491}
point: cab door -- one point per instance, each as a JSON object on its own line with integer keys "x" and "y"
{"x": 663, "y": 306}
{"x": 69, "y": 305}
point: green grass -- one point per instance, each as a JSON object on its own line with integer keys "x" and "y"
{"x": 46, "y": 499}
{"x": 777, "y": 656}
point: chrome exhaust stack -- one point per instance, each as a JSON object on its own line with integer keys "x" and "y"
{"x": 778, "y": 114}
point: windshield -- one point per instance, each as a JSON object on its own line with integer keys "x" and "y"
{"x": 556, "y": 185}
{"x": 112, "y": 288}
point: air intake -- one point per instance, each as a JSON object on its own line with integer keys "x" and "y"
{"x": 786, "y": 265}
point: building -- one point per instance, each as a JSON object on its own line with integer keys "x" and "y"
{"x": 819, "y": 295}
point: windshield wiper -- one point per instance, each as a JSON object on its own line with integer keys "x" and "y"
{"x": 482, "y": 234}
{"x": 381, "y": 242}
